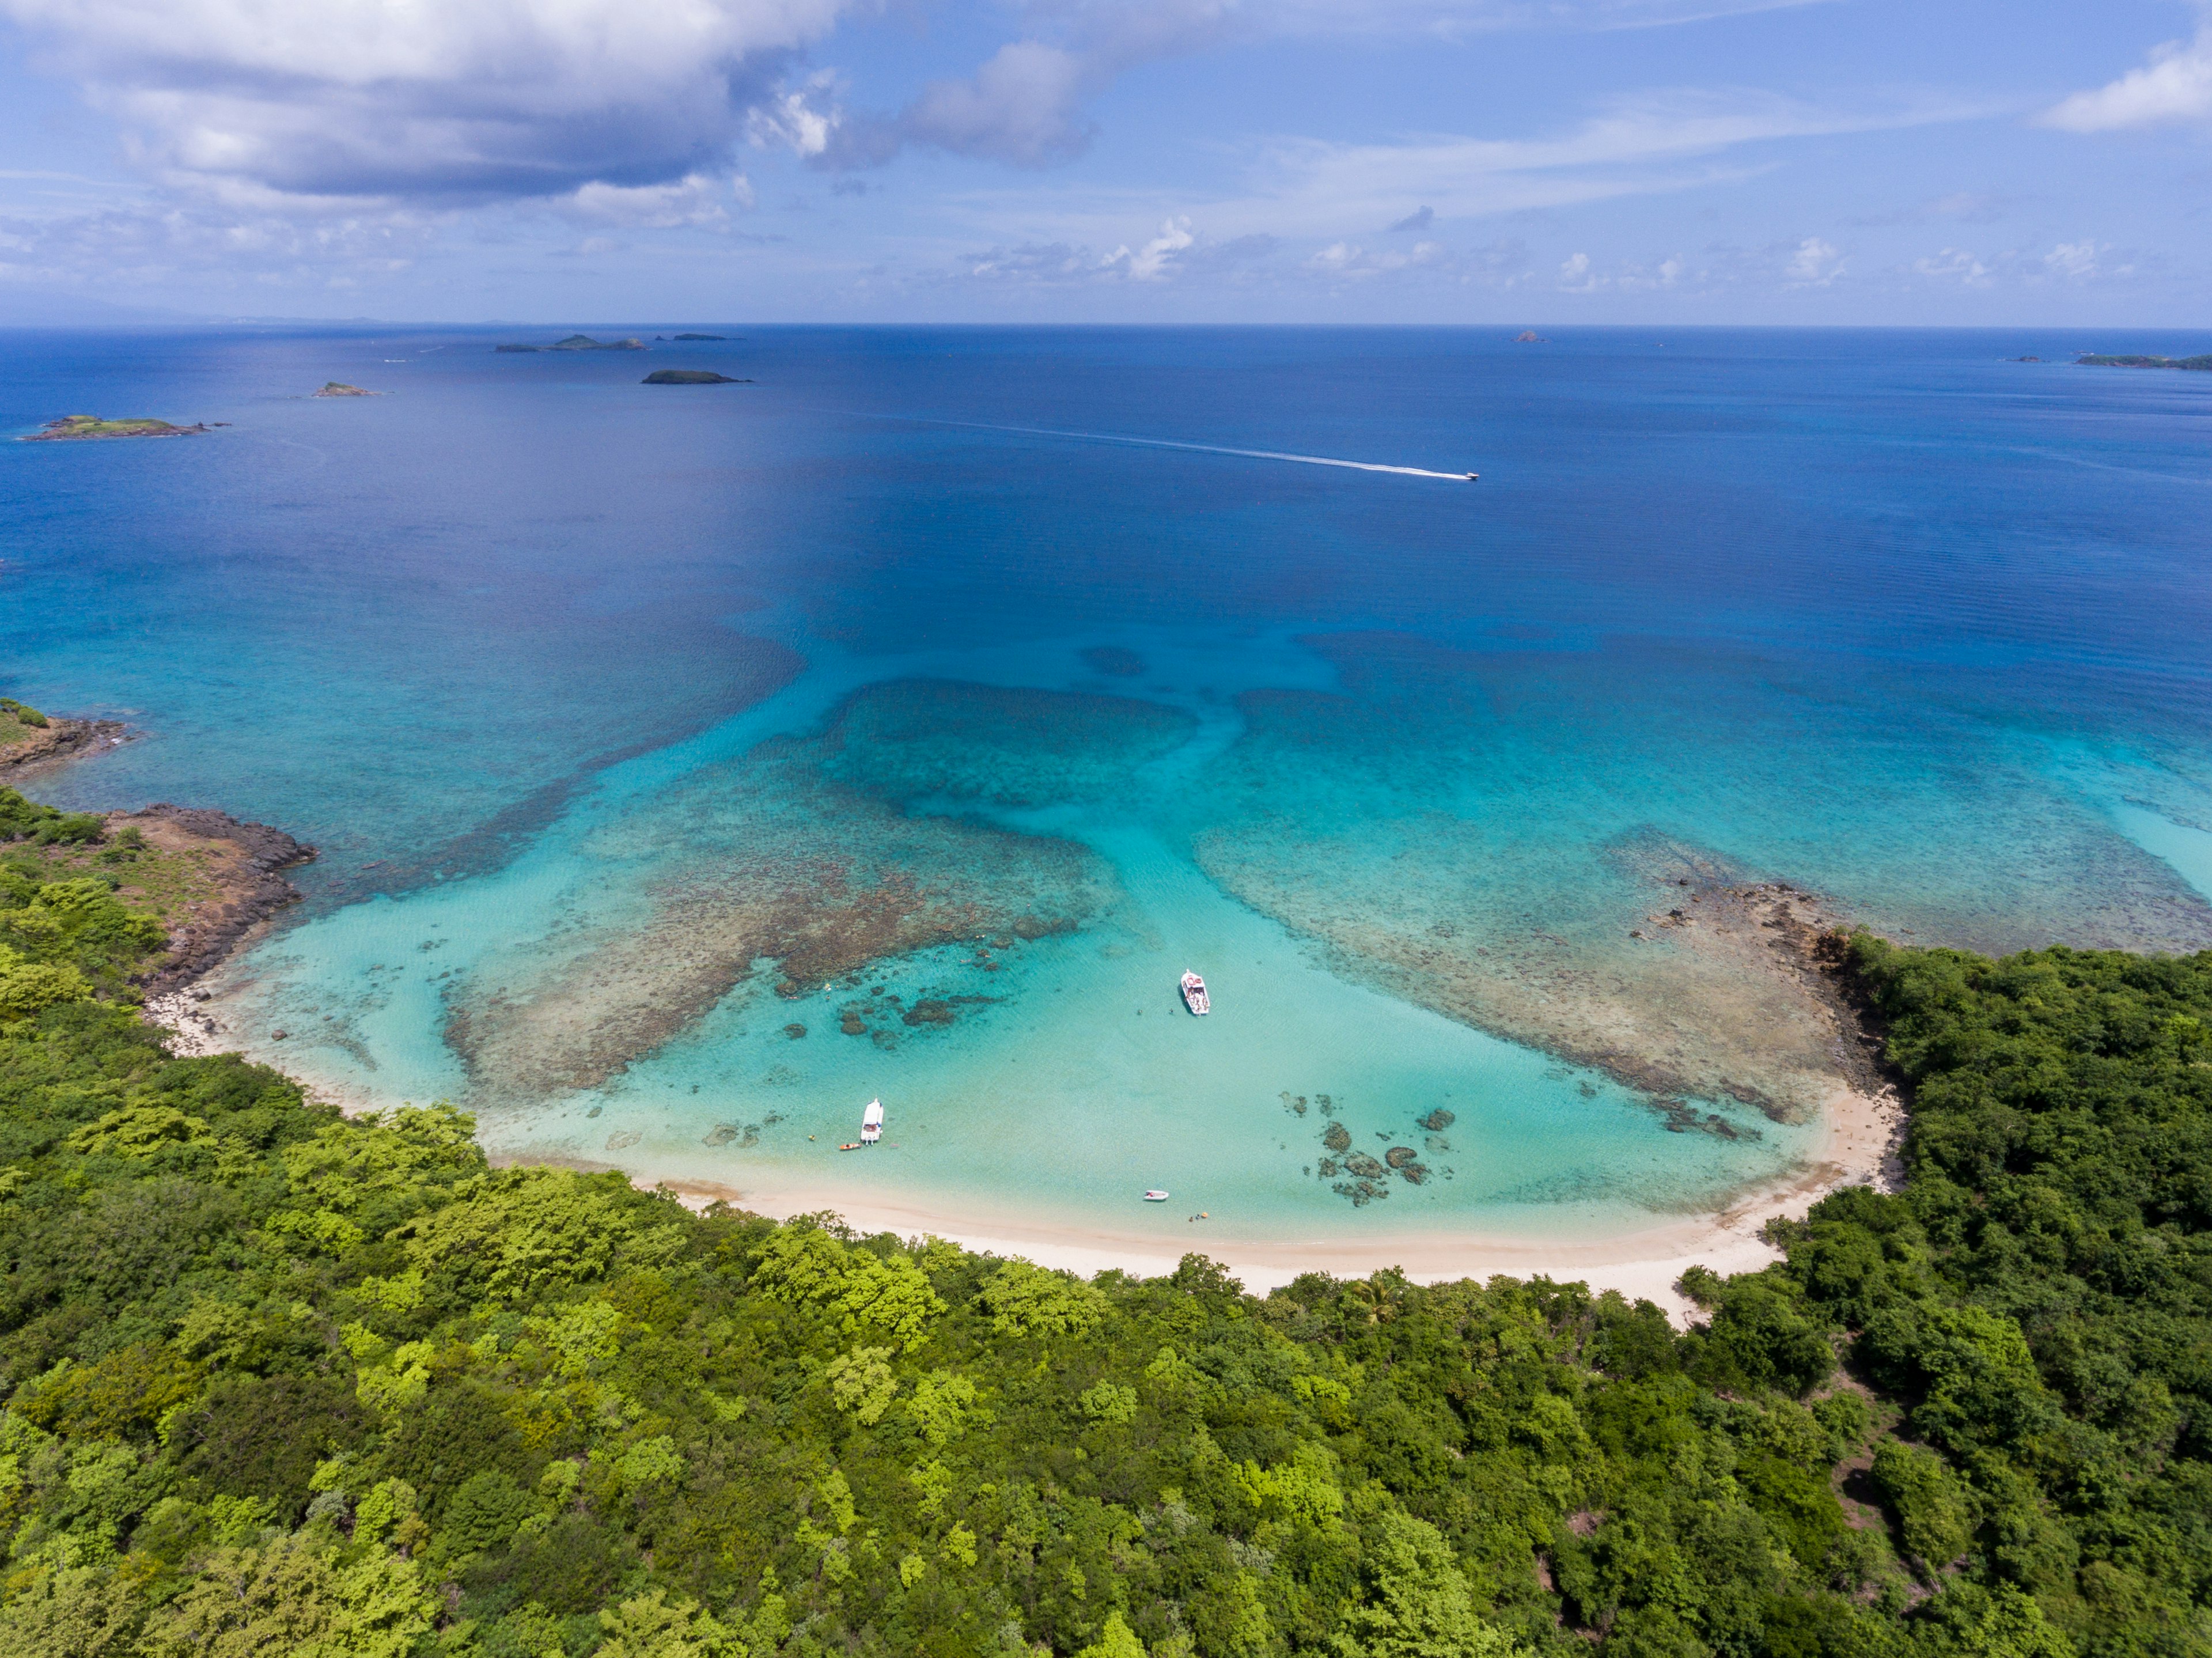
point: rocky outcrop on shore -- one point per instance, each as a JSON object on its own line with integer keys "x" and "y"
{"x": 58, "y": 739}
{"x": 242, "y": 860}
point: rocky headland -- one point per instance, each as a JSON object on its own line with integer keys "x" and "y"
{"x": 2136, "y": 361}
{"x": 30, "y": 740}
{"x": 208, "y": 879}
{"x": 237, "y": 884}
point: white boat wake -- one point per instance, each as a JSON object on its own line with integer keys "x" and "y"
{"x": 1208, "y": 449}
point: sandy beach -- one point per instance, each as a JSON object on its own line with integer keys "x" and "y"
{"x": 1862, "y": 1129}
{"x": 1859, "y": 1148}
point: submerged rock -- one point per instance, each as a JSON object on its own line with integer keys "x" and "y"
{"x": 1336, "y": 1136}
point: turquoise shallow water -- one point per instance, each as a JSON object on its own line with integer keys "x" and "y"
{"x": 642, "y": 732}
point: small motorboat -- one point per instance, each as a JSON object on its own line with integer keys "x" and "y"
{"x": 1156, "y": 1195}
{"x": 871, "y": 1123}
{"x": 1194, "y": 994}
{"x": 1472, "y": 477}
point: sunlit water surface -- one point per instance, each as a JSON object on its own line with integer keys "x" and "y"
{"x": 691, "y": 765}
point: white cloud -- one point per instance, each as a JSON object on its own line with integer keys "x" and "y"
{"x": 1815, "y": 264}
{"x": 1027, "y": 105}
{"x": 1346, "y": 260}
{"x": 790, "y": 120}
{"x": 1151, "y": 262}
{"x": 2175, "y": 85}
{"x": 1636, "y": 148}
{"x": 1954, "y": 265}
{"x": 154, "y": 246}
{"x": 1174, "y": 251}
{"x": 697, "y": 200}
{"x": 2072, "y": 261}
{"x": 1578, "y": 275}
{"x": 450, "y": 101}
{"x": 1024, "y": 106}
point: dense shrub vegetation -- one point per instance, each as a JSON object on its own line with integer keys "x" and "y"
{"x": 278, "y": 1383}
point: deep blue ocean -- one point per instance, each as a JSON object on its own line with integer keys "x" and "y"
{"x": 690, "y": 765}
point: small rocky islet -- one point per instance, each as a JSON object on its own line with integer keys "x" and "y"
{"x": 580, "y": 342}
{"x": 690, "y": 377}
{"x": 80, "y": 428}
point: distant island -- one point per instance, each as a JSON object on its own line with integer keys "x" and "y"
{"x": 689, "y": 377}
{"x": 702, "y": 336}
{"x": 580, "y": 342}
{"x": 1529, "y": 336}
{"x": 340, "y": 389}
{"x": 2202, "y": 363}
{"x": 72, "y": 428}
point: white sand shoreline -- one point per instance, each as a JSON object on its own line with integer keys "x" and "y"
{"x": 1858, "y": 1147}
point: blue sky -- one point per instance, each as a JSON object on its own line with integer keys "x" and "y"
{"x": 1554, "y": 161}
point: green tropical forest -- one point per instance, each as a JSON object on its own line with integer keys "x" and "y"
{"x": 277, "y": 1381}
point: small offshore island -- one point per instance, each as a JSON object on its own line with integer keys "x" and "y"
{"x": 689, "y": 377}
{"x": 580, "y": 342}
{"x": 340, "y": 389}
{"x": 2132, "y": 361}
{"x": 79, "y": 428}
